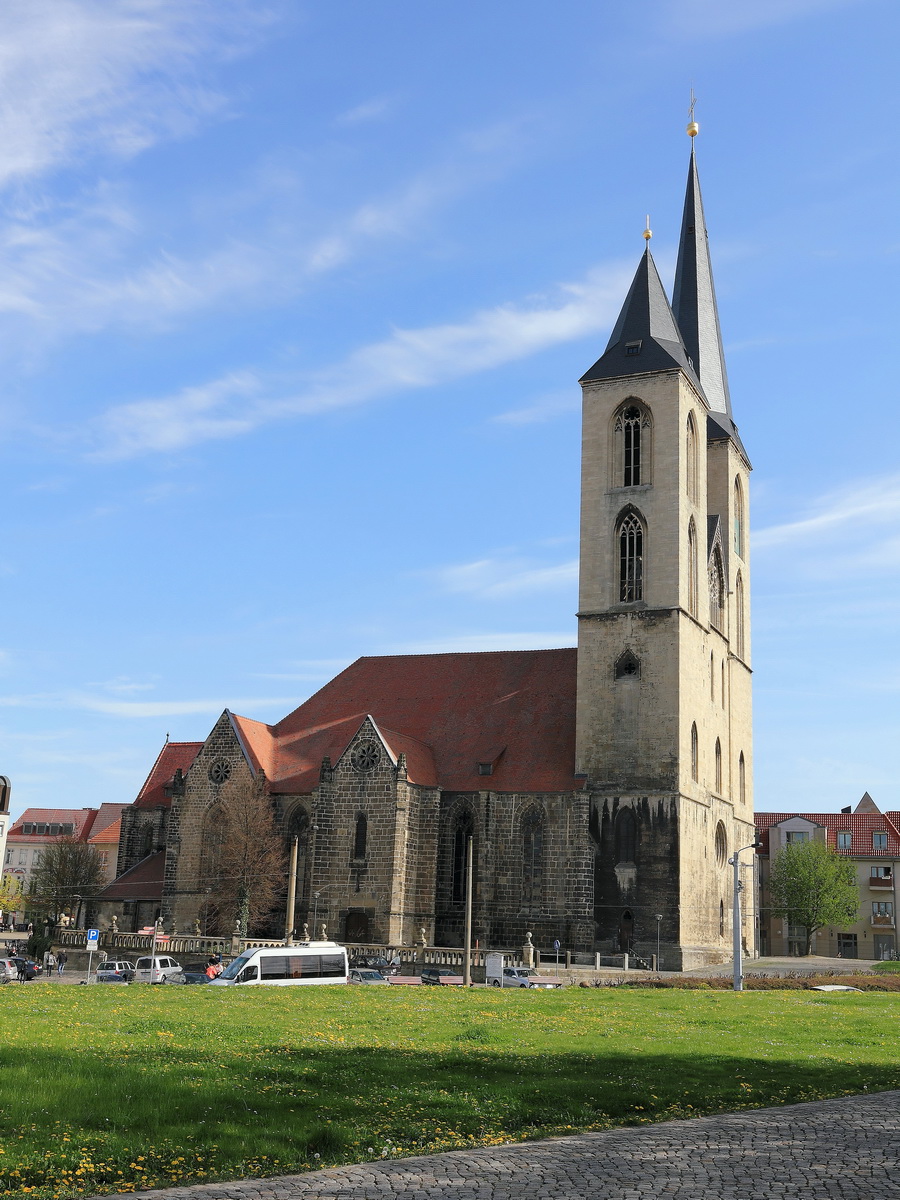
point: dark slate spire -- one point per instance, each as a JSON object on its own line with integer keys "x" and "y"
{"x": 645, "y": 337}
{"x": 694, "y": 299}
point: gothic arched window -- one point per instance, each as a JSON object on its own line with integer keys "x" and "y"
{"x": 695, "y": 766}
{"x": 742, "y": 779}
{"x": 630, "y": 538}
{"x": 360, "y": 836}
{"x": 739, "y": 615}
{"x": 716, "y": 590}
{"x": 738, "y": 517}
{"x": 532, "y": 855}
{"x": 628, "y": 666}
{"x": 693, "y": 573}
{"x": 721, "y": 918}
{"x": 463, "y": 829}
{"x": 299, "y": 827}
{"x": 212, "y": 838}
{"x": 712, "y": 677}
{"x": 690, "y": 445}
{"x": 632, "y": 441}
{"x": 626, "y": 836}
{"x": 718, "y": 767}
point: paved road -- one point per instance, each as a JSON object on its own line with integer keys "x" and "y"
{"x": 844, "y": 1148}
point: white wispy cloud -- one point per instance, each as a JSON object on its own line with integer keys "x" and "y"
{"x": 498, "y": 578}
{"x": 453, "y": 643}
{"x": 876, "y": 502}
{"x": 374, "y": 109}
{"x": 545, "y": 408}
{"x": 86, "y": 77}
{"x": 240, "y": 401}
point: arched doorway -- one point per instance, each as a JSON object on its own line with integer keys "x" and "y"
{"x": 626, "y": 931}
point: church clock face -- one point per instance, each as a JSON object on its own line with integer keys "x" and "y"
{"x": 366, "y": 756}
{"x": 220, "y": 771}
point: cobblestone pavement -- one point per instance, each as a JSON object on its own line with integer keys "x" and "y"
{"x": 830, "y": 1148}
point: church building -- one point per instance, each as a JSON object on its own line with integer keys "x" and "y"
{"x": 604, "y": 786}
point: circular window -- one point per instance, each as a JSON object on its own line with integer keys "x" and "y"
{"x": 721, "y": 845}
{"x": 220, "y": 771}
{"x": 365, "y": 757}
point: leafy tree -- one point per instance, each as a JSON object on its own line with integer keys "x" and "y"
{"x": 811, "y": 885}
{"x": 247, "y": 859}
{"x": 67, "y": 869}
{"x": 10, "y": 894}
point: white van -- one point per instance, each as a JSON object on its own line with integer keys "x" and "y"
{"x": 313, "y": 962}
{"x": 155, "y": 970}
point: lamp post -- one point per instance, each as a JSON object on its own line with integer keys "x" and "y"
{"x": 735, "y": 861}
{"x": 315, "y": 913}
{"x": 659, "y": 918}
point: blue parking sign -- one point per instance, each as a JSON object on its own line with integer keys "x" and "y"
{"x": 93, "y": 939}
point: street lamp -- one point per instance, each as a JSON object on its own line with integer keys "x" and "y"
{"x": 659, "y": 918}
{"x": 315, "y": 912}
{"x": 735, "y": 862}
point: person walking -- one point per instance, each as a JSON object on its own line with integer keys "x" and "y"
{"x": 49, "y": 964}
{"x": 61, "y": 959}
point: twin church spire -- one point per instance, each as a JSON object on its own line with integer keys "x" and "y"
{"x": 652, "y": 335}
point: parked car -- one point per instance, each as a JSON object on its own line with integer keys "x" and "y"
{"x": 192, "y": 973}
{"x": 113, "y": 970}
{"x": 365, "y": 975}
{"x": 10, "y": 967}
{"x": 442, "y": 976}
{"x": 375, "y": 962}
{"x": 525, "y": 977}
{"x": 158, "y": 970}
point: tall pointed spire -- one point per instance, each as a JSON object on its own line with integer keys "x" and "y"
{"x": 645, "y": 337}
{"x": 694, "y": 298}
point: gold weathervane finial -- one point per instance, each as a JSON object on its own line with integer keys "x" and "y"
{"x": 693, "y": 128}
{"x": 648, "y": 232}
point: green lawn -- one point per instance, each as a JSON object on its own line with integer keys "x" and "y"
{"x": 119, "y": 1088}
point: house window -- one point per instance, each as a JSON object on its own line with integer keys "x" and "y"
{"x": 844, "y": 839}
{"x": 721, "y": 918}
{"x": 742, "y": 779}
{"x": 694, "y": 764}
{"x": 879, "y": 841}
{"x": 631, "y": 559}
{"x": 627, "y": 666}
{"x": 739, "y": 614}
{"x": 718, "y": 766}
{"x": 721, "y": 845}
{"x": 795, "y": 837}
{"x": 880, "y": 874}
{"x": 847, "y": 945}
{"x": 882, "y": 912}
{"x": 631, "y": 445}
{"x": 712, "y": 678}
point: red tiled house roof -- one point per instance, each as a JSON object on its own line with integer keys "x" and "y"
{"x": 446, "y": 712}
{"x": 860, "y": 824}
{"x": 172, "y": 757}
{"x": 81, "y": 820}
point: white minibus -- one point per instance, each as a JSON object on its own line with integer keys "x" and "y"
{"x": 313, "y": 962}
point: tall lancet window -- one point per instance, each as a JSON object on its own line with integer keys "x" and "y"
{"x": 716, "y": 591}
{"x": 631, "y": 558}
{"x": 738, "y": 517}
{"x": 739, "y": 615}
{"x": 690, "y": 445}
{"x": 632, "y": 441}
{"x": 693, "y": 574}
{"x": 532, "y": 856}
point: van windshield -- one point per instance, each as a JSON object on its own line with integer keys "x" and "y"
{"x": 234, "y": 969}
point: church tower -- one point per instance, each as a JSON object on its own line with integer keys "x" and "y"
{"x": 663, "y": 736}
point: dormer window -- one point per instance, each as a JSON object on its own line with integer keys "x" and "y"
{"x": 632, "y": 348}
{"x": 485, "y": 768}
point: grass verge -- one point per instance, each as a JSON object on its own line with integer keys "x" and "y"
{"x": 111, "y": 1089}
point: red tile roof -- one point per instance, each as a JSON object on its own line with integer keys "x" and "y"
{"x": 172, "y": 756}
{"x": 446, "y": 712}
{"x": 107, "y": 815}
{"x": 143, "y": 881}
{"x": 81, "y": 819}
{"x": 860, "y": 824}
{"x": 108, "y": 836}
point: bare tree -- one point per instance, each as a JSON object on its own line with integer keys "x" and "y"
{"x": 68, "y": 870}
{"x": 247, "y": 879}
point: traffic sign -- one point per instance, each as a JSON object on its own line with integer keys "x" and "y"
{"x": 162, "y": 939}
{"x": 556, "y": 944}
{"x": 93, "y": 939}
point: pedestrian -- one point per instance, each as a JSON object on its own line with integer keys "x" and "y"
{"x": 212, "y": 969}
{"x": 49, "y": 964}
{"x": 22, "y": 970}
{"x": 61, "y": 959}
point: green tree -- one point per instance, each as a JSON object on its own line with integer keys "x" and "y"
{"x": 811, "y": 885}
{"x": 10, "y": 894}
{"x": 68, "y": 869}
{"x": 250, "y": 864}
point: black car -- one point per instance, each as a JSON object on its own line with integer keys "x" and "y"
{"x": 375, "y": 962}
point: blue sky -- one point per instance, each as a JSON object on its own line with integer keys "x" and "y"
{"x": 293, "y": 302}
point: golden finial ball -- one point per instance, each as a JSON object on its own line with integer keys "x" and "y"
{"x": 647, "y": 234}
{"x": 693, "y": 129}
